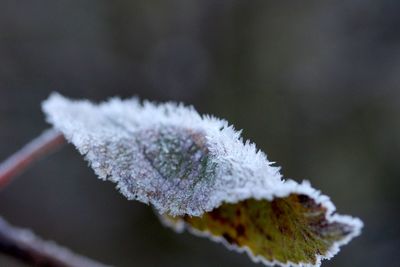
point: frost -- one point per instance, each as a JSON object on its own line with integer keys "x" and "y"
{"x": 198, "y": 174}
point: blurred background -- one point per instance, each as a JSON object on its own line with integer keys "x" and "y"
{"x": 314, "y": 84}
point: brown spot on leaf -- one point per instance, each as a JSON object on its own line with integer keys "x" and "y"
{"x": 284, "y": 229}
{"x": 228, "y": 238}
{"x": 240, "y": 230}
{"x": 276, "y": 209}
{"x": 238, "y": 212}
{"x": 268, "y": 236}
{"x": 215, "y": 215}
{"x": 303, "y": 199}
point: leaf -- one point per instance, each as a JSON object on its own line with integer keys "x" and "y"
{"x": 199, "y": 175}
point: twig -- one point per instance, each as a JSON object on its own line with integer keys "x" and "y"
{"x": 26, "y": 246}
{"x": 23, "y": 244}
{"x": 44, "y": 144}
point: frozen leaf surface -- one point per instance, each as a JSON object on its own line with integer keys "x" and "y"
{"x": 199, "y": 175}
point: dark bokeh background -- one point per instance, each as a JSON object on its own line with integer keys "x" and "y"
{"x": 314, "y": 83}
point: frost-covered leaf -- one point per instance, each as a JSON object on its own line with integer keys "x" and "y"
{"x": 198, "y": 174}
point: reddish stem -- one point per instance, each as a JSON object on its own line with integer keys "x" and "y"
{"x": 29, "y": 248}
{"x": 23, "y": 244}
{"x": 44, "y": 144}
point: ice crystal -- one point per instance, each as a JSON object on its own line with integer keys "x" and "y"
{"x": 197, "y": 173}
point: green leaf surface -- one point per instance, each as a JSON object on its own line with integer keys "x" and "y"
{"x": 290, "y": 230}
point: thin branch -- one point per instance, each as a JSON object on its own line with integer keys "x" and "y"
{"x": 26, "y": 246}
{"x": 44, "y": 144}
{"x": 23, "y": 244}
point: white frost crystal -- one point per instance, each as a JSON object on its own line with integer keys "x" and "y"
{"x": 182, "y": 163}
{"x": 167, "y": 155}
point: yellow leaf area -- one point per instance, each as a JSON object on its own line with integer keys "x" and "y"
{"x": 290, "y": 229}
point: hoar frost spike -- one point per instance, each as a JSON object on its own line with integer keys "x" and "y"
{"x": 199, "y": 175}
